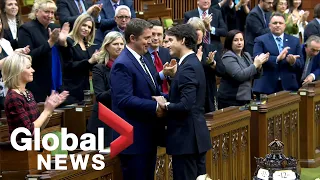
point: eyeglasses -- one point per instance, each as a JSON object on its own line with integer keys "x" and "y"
{"x": 123, "y": 17}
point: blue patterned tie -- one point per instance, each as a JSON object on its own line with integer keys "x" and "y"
{"x": 280, "y": 44}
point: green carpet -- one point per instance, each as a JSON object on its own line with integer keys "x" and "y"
{"x": 310, "y": 173}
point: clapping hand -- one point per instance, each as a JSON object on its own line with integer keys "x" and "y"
{"x": 64, "y": 34}
{"x": 170, "y": 69}
{"x": 207, "y": 22}
{"x": 25, "y": 50}
{"x": 95, "y": 57}
{"x": 94, "y": 10}
{"x": 210, "y": 59}
{"x": 283, "y": 54}
{"x": 54, "y": 100}
{"x": 291, "y": 59}
{"x": 307, "y": 80}
{"x": 261, "y": 59}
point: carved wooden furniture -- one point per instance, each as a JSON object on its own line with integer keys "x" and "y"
{"x": 310, "y": 125}
{"x": 163, "y": 169}
{"x": 17, "y": 164}
{"x": 277, "y": 119}
{"x": 229, "y": 157}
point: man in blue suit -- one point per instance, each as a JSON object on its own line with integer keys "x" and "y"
{"x": 108, "y": 16}
{"x": 188, "y": 137}
{"x": 257, "y": 23}
{"x": 132, "y": 88}
{"x": 311, "y": 60}
{"x": 281, "y": 71}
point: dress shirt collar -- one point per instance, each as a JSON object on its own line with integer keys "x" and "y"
{"x": 201, "y": 12}
{"x": 152, "y": 50}
{"x": 318, "y": 20}
{"x": 281, "y": 36}
{"x": 136, "y": 55}
{"x": 112, "y": 3}
{"x": 184, "y": 56}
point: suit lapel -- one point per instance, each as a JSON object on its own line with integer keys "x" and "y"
{"x": 162, "y": 56}
{"x": 141, "y": 70}
{"x": 286, "y": 41}
{"x": 75, "y": 7}
{"x": 273, "y": 43}
{"x": 150, "y": 62}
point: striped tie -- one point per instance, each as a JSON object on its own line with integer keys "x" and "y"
{"x": 80, "y": 7}
{"x": 206, "y": 37}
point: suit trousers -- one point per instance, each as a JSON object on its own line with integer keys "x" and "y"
{"x": 138, "y": 166}
{"x": 188, "y": 166}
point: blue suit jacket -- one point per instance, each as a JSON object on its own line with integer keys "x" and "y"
{"x": 131, "y": 92}
{"x": 315, "y": 69}
{"x": 271, "y": 70}
{"x": 107, "y": 17}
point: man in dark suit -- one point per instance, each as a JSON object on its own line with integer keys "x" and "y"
{"x": 69, "y": 10}
{"x": 281, "y": 71}
{"x": 132, "y": 88}
{"x": 108, "y": 16}
{"x": 122, "y": 17}
{"x": 313, "y": 28}
{"x": 213, "y": 20}
{"x": 311, "y": 60}
{"x": 257, "y": 23}
{"x": 188, "y": 137}
{"x": 157, "y": 55}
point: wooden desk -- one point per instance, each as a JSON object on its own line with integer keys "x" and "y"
{"x": 112, "y": 171}
{"x": 229, "y": 157}
{"x": 310, "y": 125}
{"x": 75, "y": 119}
{"x": 277, "y": 119}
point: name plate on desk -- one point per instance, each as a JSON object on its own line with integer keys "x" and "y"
{"x": 284, "y": 175}
{"x": 263, "y": 174}
{"x": 79, "y": 109}
{"x": 303, "y": 93}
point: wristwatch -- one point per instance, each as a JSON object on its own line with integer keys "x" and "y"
{"x": 166, "y": 105}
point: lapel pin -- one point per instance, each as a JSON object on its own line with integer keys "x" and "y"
{"x": 286, "y": 39}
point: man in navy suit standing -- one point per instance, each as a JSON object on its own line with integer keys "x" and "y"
{"x": 188, "y": 137}
{"x": 257, "y": 23}
{"x": 132, "y": 88}
{"x": 282, "y": 69}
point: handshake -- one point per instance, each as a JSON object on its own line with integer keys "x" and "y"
{"x": 161, "y": 106}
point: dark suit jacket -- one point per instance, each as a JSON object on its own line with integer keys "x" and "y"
{"x": 211, "y": 85}
{"x": 102, "y": 91}
{"x": 315, "y": 68}
{"x": 68, "y": 10}
{"x": 107, "y": 17}
{"x": 313, "y": 28}
{"x": 76, "y": 70}
{"x": 164, "y": 55}
{"x": 131, "y": 92}
{"x": 187, "y": 132}
{"x": 34, "y": 34}
{"x": 8, "y": 36}
{"x": 217, "y": 22}
{"x": 255, "y": 26}
{"x": 271, "y": 70}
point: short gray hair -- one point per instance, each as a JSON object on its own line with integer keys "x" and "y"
{"x": 120, "y": 8}
{"x": 312, "y": 38}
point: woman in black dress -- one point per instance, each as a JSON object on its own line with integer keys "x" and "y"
{"x": 209, "y": 55}
{"x": 111, "y": 47}
{"x": 79, "y": 56}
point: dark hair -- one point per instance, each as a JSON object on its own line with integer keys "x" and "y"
{"x": 291, "y": 6}
{"x": 155, "y": 22}
{"x": 2, "y": 31}
{"x": 229, "y": 40}
{"x": 185, "y": 31}
{"x": 136, "y": 27}
{"x": 277, "y": 14}
{"x": 317, "y": 11}
{"x": 275, "y": 4}
{"x": 4, "y": 17}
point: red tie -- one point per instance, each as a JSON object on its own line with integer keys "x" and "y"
{"x": 159, "y": 67}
